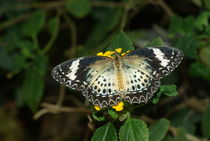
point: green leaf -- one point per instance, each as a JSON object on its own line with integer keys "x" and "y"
{"x": 197, "y": 2}
{"x": 103, "y": 26}
{"x": 98, "y": 118}
{"x": 202, "y": 21}
{"x": 198, "y": 69}
{"x": 181, "y": 135}
{"x": 113, "y": 114}
{"x": 53, "y": 25}
{"x": 78, "y": 8}
{"x": 158, "y": 130}
{"x": 189, "y": 45}
{"x": 182, "y": 25}
{"x": 205, "y": 55}
{"x": 121, "y": 40}
{"x": 134, "y": 130}
{"x": 205, "y": 124}
{"x": 136, "y": 35}
{"x": 186, "y": 119}
{"x": 105, "y": 133}
{"x": 156, "y": 42}
{"x": 33, "y": 84}
{"x": 34, "y": 23}
{"x": 207, "y": 4}
{"x": 168, "y": 90}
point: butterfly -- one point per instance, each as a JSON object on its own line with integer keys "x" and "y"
{"x": 106, "y": 81}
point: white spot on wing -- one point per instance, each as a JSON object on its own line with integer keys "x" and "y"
{"x": 74, "y": 67}
{"x": 159, "y": 55}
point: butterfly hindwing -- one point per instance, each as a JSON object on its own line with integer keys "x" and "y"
{"x": 102, "y": 84}
{"x": 139, "y": 79}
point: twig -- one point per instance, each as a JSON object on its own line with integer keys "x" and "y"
{"x": 125, "y": 15}
{"x": 61, "y": 95}
{"x": 14, "y": 20}
{"x": 53, "y": 36}
{"x": 108, "y": 4}
{"x": 163, "y": 5}
{"x": 51, "y": 108}
{"x": 73, "y": 34}
{"x": 57, "y": 4}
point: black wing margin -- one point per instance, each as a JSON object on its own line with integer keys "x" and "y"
{"x": 72, "y": 73}
{"x": 163, "y": 60}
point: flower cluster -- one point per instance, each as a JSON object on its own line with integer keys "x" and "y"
{"x": 118, "y": 107}
{"x": 109, "y": 53}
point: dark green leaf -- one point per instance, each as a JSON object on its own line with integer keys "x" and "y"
{"x": 181, "y": 135}
{"x": 104, "y": 26}
{"x": 53, "y": 25}
{"x": 205, "y": 55}
{"x": 197, "y": 2}
{"x": 189, "y": 45}
{"x": 134, "y": 130}
{"x": 78, "y": 8}
{"x": 33, "y": 84}
{"x": 198, "y": 69}
{"x": 182, "y": 25}
{"x": 105, "y": 133}
{"x": 169, "y": 90}
{"x": 34, "y": 24}
{"x": 113, "y": 114}
{"x": 156, "y": 42}
{"x": 98, "y": 118}
{"x": 11, "y": 60}
{"x": 158, "y": 130}
{"x": 186, "y": 119}
{"x": 207, "y": 4}
{"x": 136, "y": 35}
{"x": 201, "y": 22}
{"x": 205, "y": 124}
{"x": 121, "y": 40}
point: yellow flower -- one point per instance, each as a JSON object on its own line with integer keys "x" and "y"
{"x": 109, "y": 53}
{"x": 100, "y": 54}
{"x": 125, "y": 52}
{"x": 97, "y": 108}
{"x": 118, "y": 50}
{"x": 118, "y": 107}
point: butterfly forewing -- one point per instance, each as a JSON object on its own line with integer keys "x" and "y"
{"x": 162, "y": 60}
{"x": 74, "y": 73}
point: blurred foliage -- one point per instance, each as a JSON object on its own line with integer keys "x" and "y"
{"x": 37, "y": 35}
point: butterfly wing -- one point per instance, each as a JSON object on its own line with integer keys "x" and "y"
{"x": 144, "y": 68}
{"x": 72, "y": 73}
{"x": 102, "y": 90}
{"x": 94, "y": 76}
{"x": 163, "y": 60}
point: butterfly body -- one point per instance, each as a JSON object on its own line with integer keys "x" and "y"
{"x": 133, "y": 77}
